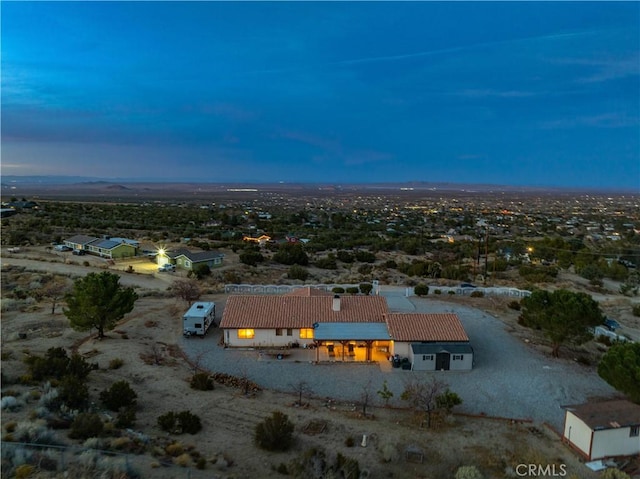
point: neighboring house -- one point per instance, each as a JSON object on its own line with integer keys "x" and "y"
{"x": 261, "y": 240}
{"x": 356, "y": 328}
{"x": 185, "y": 259}
{"x": 603, "y": 429}
{"x": 432, "y": 342}
{"x": 106, "y": 247}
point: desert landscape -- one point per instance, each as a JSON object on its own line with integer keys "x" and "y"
{"x": 329, "y": 431}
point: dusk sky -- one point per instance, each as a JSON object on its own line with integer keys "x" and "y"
{"x": 537, "y": 94}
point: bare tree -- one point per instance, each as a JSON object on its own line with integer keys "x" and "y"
{"x": 366, "y": 397}
{"x": 186, "y": 289}
{"x": 301, "y": 388}
{"x": 54, "y": 291}
{"x": 422, "y": 395}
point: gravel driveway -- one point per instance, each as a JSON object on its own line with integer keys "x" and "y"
{"x": 509, "y": 379}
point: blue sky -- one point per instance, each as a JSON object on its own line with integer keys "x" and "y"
{"x": 540, "y": 94}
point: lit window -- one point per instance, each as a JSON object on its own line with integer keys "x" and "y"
{"x": 279, "y": 332}
{"x": 246, "y": 333}
{"x": 306, "y": 333}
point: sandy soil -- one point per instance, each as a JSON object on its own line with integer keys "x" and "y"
{"x": 146, "y": 341}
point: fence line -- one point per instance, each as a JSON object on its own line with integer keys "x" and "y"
{"x": 287, "y": 288}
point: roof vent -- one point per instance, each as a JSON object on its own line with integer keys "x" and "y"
{"x": 336, "y": 303}
{"x": 200, "y": 306}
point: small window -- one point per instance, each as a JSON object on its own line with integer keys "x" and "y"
{"x": 458, "y": 357}
{"x": 246, "y": 333}
{"x": 634, "y": 431}
{"x": 187, "y": 263}
{"x": 289, "y": 332}
{"x": 279, "y": 332}
{"x": 306, "y": 333}
{"x": 197, "y": 325}
{"x": 427, "y": 357}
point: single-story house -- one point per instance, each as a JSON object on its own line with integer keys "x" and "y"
{"x": 358, "y": 328}
{"x": 186, "y": 259}
{"x": 106, "y": 247}
{"x": 603, "y": 429}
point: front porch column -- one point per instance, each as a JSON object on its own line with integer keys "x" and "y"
{"x": 368, "y": 356}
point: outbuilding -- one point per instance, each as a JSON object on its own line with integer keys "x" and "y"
{"x": 603, "y": 429}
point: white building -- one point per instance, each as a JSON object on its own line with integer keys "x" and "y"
{"x": 603, "y": 429}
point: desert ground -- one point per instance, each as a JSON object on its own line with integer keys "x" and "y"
{"x": 149, "y": 343}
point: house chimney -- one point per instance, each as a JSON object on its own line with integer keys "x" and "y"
{"x": 336, "y": 303}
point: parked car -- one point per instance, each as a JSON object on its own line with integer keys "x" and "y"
{"x": 62, "y": 247}
{"x": 166, "y": 267}
{"x": 78, "y": 252}
{"x": 611, "y": 324}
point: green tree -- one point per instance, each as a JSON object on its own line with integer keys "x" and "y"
{"x": 201, "y": 270}
{"x": 563, "y": 316}
{"x": 98, "y": 301}
{"x": 385, "y": 393}
{"x": 251, "y": 257}
{"x": 620, "y": 367}
{"x": 365, "y": 288}
{"x": 291, "y": 253}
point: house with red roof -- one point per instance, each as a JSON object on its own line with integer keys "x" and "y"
{"x": 345, "y": 328}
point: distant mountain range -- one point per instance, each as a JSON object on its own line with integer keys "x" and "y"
{"x": 84, "y": 183}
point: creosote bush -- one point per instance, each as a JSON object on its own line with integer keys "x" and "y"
{"x": 180, "y": 423}
{"x": 86, "y": 425}
{"x": 119, "y": 395}
{"x": 275, "y": 433}
{"x": 468, "y": 472}
{"x": 202, "y": 382}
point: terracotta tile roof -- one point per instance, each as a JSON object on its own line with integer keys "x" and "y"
{"x": 286, "y": 311}
{"x": 440, "y": 327}
{"x": 607, "y": 414}
{"x": 309, "y": 291}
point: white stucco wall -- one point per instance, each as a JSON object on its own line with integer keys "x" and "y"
{"x": 401, "y": 349}
{"x": 614, "y": 442}
{"x": 577, "y": 433}
{"x": 263, "y": 338}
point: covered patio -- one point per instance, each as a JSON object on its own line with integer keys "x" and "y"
{"x": 351, "y": 342}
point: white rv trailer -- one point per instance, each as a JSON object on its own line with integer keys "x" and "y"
{"x": 199, "y": 318}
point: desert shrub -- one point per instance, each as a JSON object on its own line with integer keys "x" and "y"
{"x": 126, "y": 417}
{"x": 349, "y": 441}
{"x": 635, "y": 310}
{"x": 167, "y": 422}
{"x": 477, "y": 294}
{"x": 174, "y": 449}
{"x": 327, "y": 263}
{"x": 515, "y": 305}
{"x": 10, "y": 426}
{"x": 119, "y": 395}
{"x": 365, "y": 269}
{"x": 275, "y": 433}
{"x": 365, "y": 256}
{"x": 352, "y": 290}
{"x": 74, "y": 393}
{"x": 437, "y": 291}
{"x": 34, "y": 432}
{"x": 613, "y": 473}
{"x": 282, "y": 469}
{"x": 116, "y": 363}
{"x": 366, "y": 288}
{"x": 201, "y": 463}
{"x": 389, "y": 452}
{"x": 86, "y": 425}
{"x": 338, "y": 290}
{"x": 448, "y": 400}
{"x": 421, "y": 289}
{"x": 189, "y": 423}
{"x": 468, "y": 472}
{"x": 179, "y": 423}
{"x": 202, "y": 382}
{"x": 24, "y": 470}
{"x": 201, "y": 271}
{"x": 183, "y": 460}
{"x": 298, "y": 272}
{"x": 451, "y": 292}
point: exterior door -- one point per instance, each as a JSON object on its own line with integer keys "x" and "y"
{"x": 442, "y": 361}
